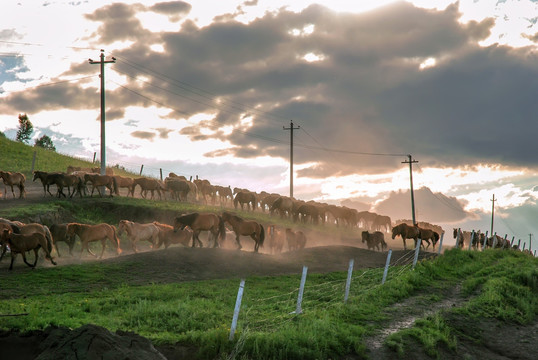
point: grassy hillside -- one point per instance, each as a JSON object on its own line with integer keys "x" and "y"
{"x": 16, "y": 156}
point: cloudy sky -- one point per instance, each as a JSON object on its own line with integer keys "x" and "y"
{"x": 206, "y": 88}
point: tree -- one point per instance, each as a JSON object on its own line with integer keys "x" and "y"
{"x": 45, "y": 142}
{"x": 25, "y": 129}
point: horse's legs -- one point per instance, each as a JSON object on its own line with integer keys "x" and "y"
{"x": 103, "y": 243}
{"x": 26, "y": 262}
{"x": 405, "y": 245}
{"x": 13, "y": 256}
{"x": 238, "y": 242}
{"x": 133, "y": 245}
{"x": 257, "y": 244}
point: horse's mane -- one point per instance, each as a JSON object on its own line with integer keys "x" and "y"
{"x": 188, "y": 219}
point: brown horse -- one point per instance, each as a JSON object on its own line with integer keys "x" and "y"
{"x": 179, "y": 188}
{"x": 296, "y": 239}
{"x": 382, "y": 223}
{"x": 246, "y": 197}
{"x": 427, "y": 235}
{"x": 98, "y": 181}
{"x": 199, "y": 222}
{"x": 89, "y": 233}
{"x": 243, "y": 227}
{"x": 47, "y": 179}
{"x": 26, "y": 229}
{"x": 168, "y": 236}
{"x": 138, "y": 232}
{"x": 13, "y": 179}
{"x": 59, "y": 233}
{"x": 21, "y": 243}
{"x": 406, "y": 232}
{"x": 276, "y": 239}
{"x": 374, "y": 240}
{"x": 224, "y": 193}
{"x": 147, "y": 184}
{"x": 124, "y": 182}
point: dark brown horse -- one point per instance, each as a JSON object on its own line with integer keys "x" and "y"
{"x": 199, "y": 222}
{"x": 47, "y": 179}
{"x": 59, "y": 233}
{"x": 21, "y": 243}
{"x": 13, "y": 179}
{"x": 375, "y": 240}
{"x": 246, "y": 197}
{"x": 243, "y": 227}
{"x": 406, "y": 232}
{"x": 427, "y": 235}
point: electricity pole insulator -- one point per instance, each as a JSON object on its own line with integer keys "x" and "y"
{"x": 102, "y": 62}
{"x": 411, "y": 162}
{"x": 291, "y": 128}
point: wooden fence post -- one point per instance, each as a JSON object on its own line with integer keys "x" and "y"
{"x": 458, "y": 238}
{"x": 141, "y": 168}
{"x": 236, "y": 309}
{"x": 33, "y": 162}
{"x": 161, "y": 171}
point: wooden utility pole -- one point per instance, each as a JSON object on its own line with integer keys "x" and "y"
{"x": 411, "y": 162}
{"x": 492, "y": 213}
{"x": 291, "y": 128}
{"x": 102, "y": 62}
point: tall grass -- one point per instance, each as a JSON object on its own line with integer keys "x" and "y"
{"x": 199, "y": 314}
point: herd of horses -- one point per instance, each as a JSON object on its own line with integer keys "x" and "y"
{"x": 87, "y": 181}
{"x": 21, "y": 238}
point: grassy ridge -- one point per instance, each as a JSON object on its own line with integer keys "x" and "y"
{"x": 18, "y": 157}
{"x": 503, "y": 284}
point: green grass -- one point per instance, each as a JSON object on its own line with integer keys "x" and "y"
{"x": 199, "y": 314}
{"x": 18, "y": 157}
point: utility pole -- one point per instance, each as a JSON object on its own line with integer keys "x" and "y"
{"x": 411, "y": 162}
{"x": 492, "y": 213}
{"x": 291, "y": 128}
{"x": 102, "y": 62}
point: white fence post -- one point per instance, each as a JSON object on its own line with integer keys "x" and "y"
{"x": 237, "y": 307}
{"x": 485, "y": 241}
{"x": 440, "y": 243}
{"x": 494, "y": 240}
{"x": 298, "y": 309}
{"x": 348, "y": 281}
{"x": 417, "y": 250}
{"x": 458, "y": 238}
{"x": 386, "y": 267}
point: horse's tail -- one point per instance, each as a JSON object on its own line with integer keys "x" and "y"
{"x": 48, "y": 237}
{"x": 262, "y": 235}
{"x": 47, "y": 245}
{"x": 116, "y": 239}
{"x": 222, "y": 229}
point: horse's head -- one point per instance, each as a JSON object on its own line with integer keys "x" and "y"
{"x": 395, "y": 231}
{"x": 5, "y": 235}
{"x": 364, "y": 236}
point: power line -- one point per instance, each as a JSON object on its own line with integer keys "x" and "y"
{"x": 49, "y": 84}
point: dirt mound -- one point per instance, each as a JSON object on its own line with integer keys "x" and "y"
{"x": 86, "y": 342}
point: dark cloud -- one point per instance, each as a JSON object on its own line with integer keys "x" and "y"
{"x": 171, "y": 8}
{"x": 367, "y": 95}
{"x": 145, "y": 135}
{"x": 430, "y": 207}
